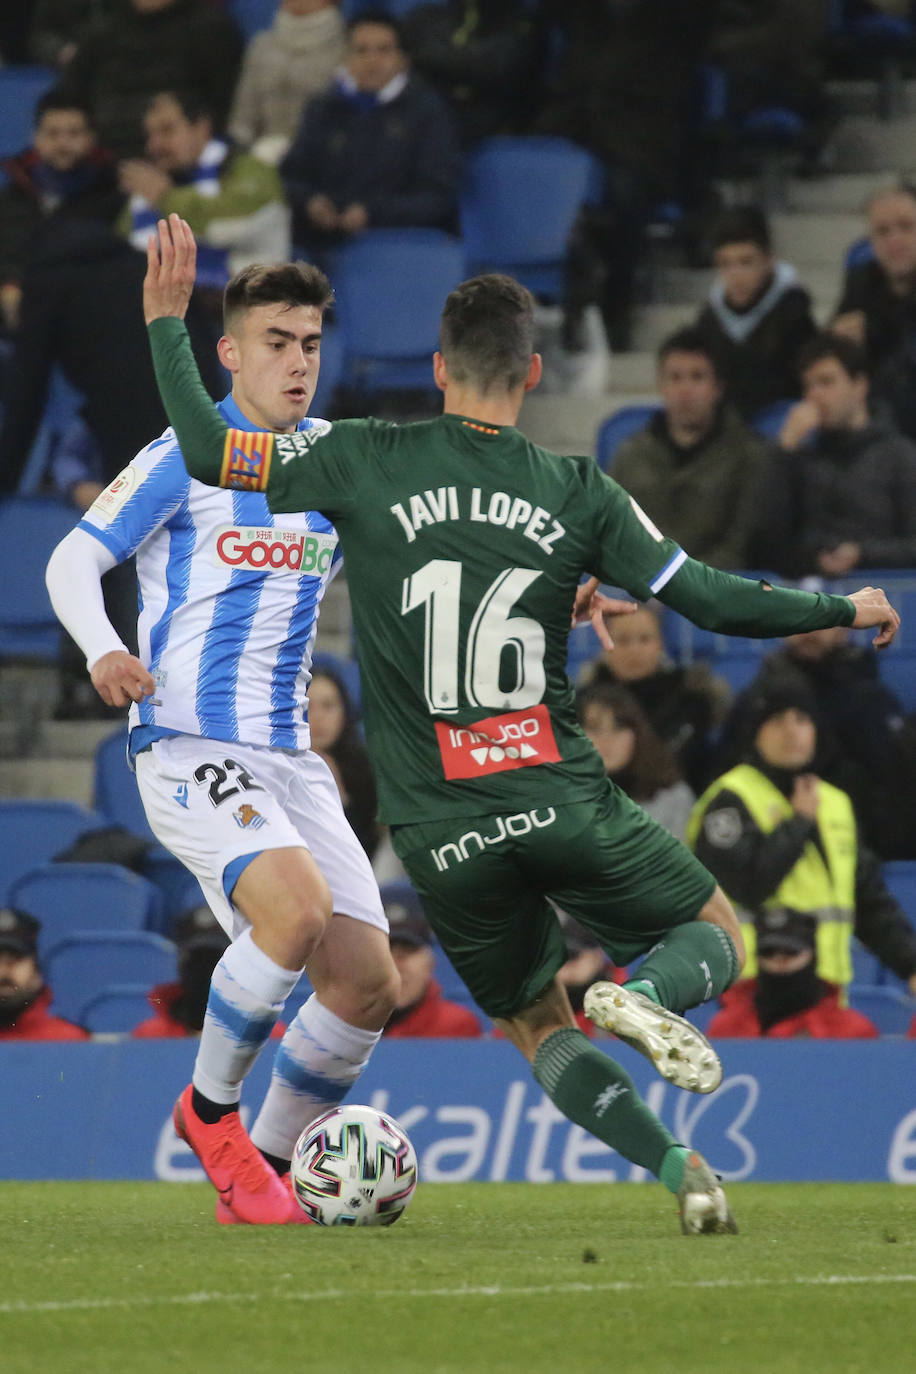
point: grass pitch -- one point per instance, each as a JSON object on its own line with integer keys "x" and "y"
{"x": 503, "y": 1278}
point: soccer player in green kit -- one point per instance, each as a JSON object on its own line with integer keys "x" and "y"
{"x": 465, "y": 544}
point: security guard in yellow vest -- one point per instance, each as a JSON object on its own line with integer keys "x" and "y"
{"x": 776, "y": 835}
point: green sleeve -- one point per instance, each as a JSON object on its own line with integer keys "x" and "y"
{"x": 200, "y": 428}
{"x": 738, "y": 606}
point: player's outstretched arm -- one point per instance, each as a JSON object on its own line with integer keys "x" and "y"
{"x": 736, "y": 605}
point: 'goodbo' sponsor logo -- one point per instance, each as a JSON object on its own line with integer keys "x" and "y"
{"x": 274, "y": 550}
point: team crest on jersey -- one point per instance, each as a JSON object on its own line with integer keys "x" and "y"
{"x": 118, "y": 492}
{"x": 497, "y": 744}
{"x": 248, "y": 818}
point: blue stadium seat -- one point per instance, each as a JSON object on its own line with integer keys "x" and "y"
{"x": 34, "y": 831}
{"x": 117, "y": 1009}
{"x": 30, "y": 527}
{"x": 519, "y": 201}
{"x": 867, "y": 970}
{"x": 860, "y": 251}
{"x": 330, "y": 373}
{"x": 179, "y": 888}
{"x": 617, "y": 427}
{"x": 898, "y": 671}
{"x": 390, "y": 287}
{"x": 253, "y": 15}
{"x": 74, "y": 896}
{"x": 900, "y": 876}
{"x": 769, "y": 421}
{"x": 114, "y": 791}
{"x": 20, "y": 89}
{"x": 891, "y": 1011}
{"x": 78, "y": 968}
{"x": 584, "y": 647}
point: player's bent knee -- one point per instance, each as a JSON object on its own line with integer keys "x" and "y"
{"x": 720, "y": 912}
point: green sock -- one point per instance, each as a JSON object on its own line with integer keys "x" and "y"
{"x": 691, "y": 964}
{"x": 597, "y": 1094}
{"x": 672, "y": 1170}
{"x": 647, "y": 989}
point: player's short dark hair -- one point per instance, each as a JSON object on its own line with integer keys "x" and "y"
{"x": 743, "y": 224}
{"x": 850, "y": 355}
{"x": 691, "y": 340}
{"x": 280, "y": 283}
{"x": 487, "y": 332}
{"x": 58, "y": 98}
{"x": 193, "y": 106}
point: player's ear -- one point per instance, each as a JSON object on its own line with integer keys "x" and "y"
{"x": 227, "y": 352}
{"x": 535, "y": 372}
{"x": 440, "y": 371}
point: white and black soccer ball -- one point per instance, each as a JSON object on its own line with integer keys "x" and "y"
{"x": 354, "y": 1167}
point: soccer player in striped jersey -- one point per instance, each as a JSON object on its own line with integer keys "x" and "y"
{"x": 465, "y": 544}
{"x": 219, "y": 737}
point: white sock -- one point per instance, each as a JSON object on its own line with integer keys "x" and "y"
{"x": 247, "y": 992}
{"x": 318, "y": 1060}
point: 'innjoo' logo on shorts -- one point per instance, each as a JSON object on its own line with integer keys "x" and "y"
{"x": 517, "y": 740}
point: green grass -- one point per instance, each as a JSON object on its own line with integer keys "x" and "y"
{"x": 502, "y": 1278}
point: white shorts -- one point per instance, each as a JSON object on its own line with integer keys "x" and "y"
{"x": 215, "y": 805}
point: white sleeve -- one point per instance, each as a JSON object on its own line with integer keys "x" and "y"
{"x": 73, "y": 579}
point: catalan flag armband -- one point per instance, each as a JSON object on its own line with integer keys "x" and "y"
{"x": 246, "y": 460}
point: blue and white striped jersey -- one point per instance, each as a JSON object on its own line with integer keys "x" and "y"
{"x": 229, "y": 598}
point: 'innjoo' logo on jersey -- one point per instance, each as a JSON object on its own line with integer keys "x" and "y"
{"x": 273, "y": 550}
{"x": 517, "y": 740}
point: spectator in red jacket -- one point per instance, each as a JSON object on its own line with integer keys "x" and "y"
{"x": 420, "y": 1010}
{"x": 787, "y": 998}
{"x": 24, "y": 995}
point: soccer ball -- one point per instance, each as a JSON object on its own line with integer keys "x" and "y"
{"x": 354, "y": 1167}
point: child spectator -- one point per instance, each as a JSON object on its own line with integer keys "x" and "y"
{"x": 633, "y": 755}
{"x": 758, "y": 315}
{"x": 25, "y": 998}
{"x": 683, "y": 704}
{"x": 335, "y": 736}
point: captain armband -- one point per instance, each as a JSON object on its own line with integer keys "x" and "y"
{"x": 246, "y": 460}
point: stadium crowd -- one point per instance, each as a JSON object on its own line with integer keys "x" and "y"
{"x": 779, "y": 443}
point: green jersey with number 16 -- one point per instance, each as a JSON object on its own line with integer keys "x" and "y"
{"x": 464, "y": 544}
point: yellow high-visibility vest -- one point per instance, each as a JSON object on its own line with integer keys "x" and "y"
{"x": 825, "y": 890}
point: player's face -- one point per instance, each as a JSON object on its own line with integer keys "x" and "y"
{"x": 892, "y": 222}
{"x": 174, "y": 143}
{"x": 637, "y": 647}
{"x": 415, "y": 965}
{"x": 327, "y": 716}
{"x": 838, "y": 397}
{"x": 273, "y": 353}
{"x": 615, "y": 742}
{"x": 787, "y": 740}
{"x": 63, "y": 139}
{"x": 744, "y": 270}
{"x": 374, "y": 56}
{"x": 690, "y": 390}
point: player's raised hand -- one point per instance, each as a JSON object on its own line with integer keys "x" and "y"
{"x": 592, "y": 605}
{"x": 120, "y": 678}
{"x": 873, "y": 608}
{"x": 171, "y": 266}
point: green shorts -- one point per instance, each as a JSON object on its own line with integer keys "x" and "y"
{"x": 489, "y": 888}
